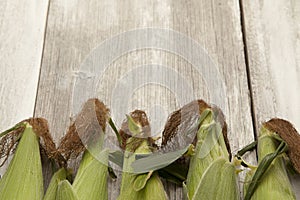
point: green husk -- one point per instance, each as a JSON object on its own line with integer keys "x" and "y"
{"x": 210, "y": 147}
{"x": 85, "y": 134}
{"x": 57, "y": 177}
{"x": 23, "y": 179}
{"x": 140, "y": 186}
{"x": 218, "y": 182}
{"x": 274, "y": 183}
{"x": 146, "y": 186}
{"x": 65, "y": 191}
{"x": 91, "y": 180}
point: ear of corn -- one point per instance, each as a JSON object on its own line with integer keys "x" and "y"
{"x": 274, "y": 183}
{"x": 86, "y": 135}
{"x": 145, "y": 186}
{"x": 65, "y": 191}
{"x": 23, "y": 178}
{"x": 211, "y": 156}
{"x": 57, "y": 177}
{"x": 91, "y": 179}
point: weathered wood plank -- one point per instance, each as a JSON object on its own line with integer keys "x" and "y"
{"x": 273, "y": 47}
{"x": 74, "y": 29}
{"x": 22, "y": 26}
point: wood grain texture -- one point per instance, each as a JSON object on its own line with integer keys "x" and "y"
{"x": 272, "y": 30}
{"x": 74, "y": 29}
{"x": 22, "y": 26}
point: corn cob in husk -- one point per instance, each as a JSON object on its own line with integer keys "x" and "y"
{"x": 145, "y": 186}
{"x": 23, "y": 179}
{"x": 270, "y": 179}
{"x": 86, "y": 135}
{"x": 212, "y": 153}
{"x": 211, "y": 174}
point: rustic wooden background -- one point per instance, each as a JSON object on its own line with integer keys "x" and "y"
{"x": 255, "y": 45}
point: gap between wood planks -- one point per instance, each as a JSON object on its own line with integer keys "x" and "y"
{"x": 42, "y": 56}
{"x": 244, "y": 39}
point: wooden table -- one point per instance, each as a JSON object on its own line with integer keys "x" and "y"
{"x": 255, "y": 46}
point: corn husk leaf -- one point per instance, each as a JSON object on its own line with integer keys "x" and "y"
{"x": 218, "y": 182}
{"x": 175, "y": 173}
{"x": 157, "y": 161}
{"x": 65, "y": 191}
{"x": 91, "y": 180}
{"x": 23, "y": 178}
{"x": 140, "y": 181}
{"x": 141, "y": 186}
{"x": 274, "y": 183}
{"x": 57, "y": 177}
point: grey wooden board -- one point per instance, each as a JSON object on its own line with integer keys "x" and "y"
{"x": 75, "y": 28}
{"x": 22, "y": 26}
{"x": 273, "y": 46}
